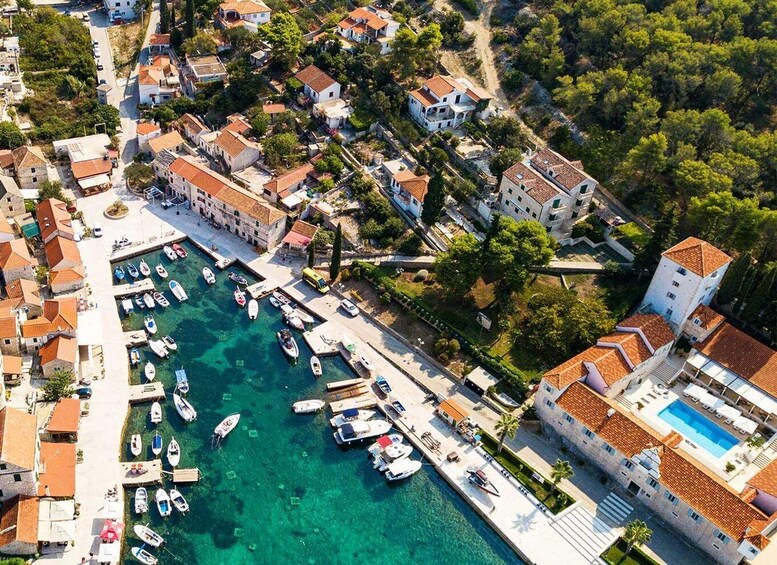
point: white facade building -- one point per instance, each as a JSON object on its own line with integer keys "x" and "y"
{"x": 445, "y": 102}
{"x": 249, "y": 14}
{"x": 369, "y": 25}
{"x": 317, "y": 85}
{"x": 120, "y": 9}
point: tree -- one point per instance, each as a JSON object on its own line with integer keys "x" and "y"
{"x": 51, "y": 189}
{"x": 503, "y": 160}
{"x": 164, "y": 17}
{"x": 733, "y": 279}
{"x": 11, "y": 136}
{"x": 279, "y": 148}
{"x": 260, "y": 123}
{"x": 434, "y": 201}
{"x": 200, "y": 44}
{"x": 311, "y": 255}
{"x": 337, "y": 251}
{"x": 459, "y": 268}
{"x": 516, "y": 247}
{"x": 763, "y": 293}
{"x": 506, "y": 427}
{"x": 560, "y": 470}
{"x": 636, "y": 534}
{"x": 285, "y": 37}
{"x": 189, "y": 27}
{"x": 451, "y": 26}
{"x": 660, "y": 240}
{"x": 139, "y": 175}
{"x": 58, "y": 386}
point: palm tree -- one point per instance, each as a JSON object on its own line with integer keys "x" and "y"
{"x": 635, "y": 534}
{"x": 506, "y": 427}
{"x": 560, "y": 470}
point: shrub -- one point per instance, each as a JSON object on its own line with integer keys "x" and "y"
{"x": 500, "y": 37}
{"x": 421, "y": 275}
{"x": 294, "y": 85}
{"x": 591, "y": 228}
{"x": 361, "y": 120}
{"x": 470, "y": 6}
{"x": 386, "y": 297}
{"x": 345, "y": 275}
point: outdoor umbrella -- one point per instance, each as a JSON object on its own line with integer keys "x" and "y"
{"x": 111, "y": 531}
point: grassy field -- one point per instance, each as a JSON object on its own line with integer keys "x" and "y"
{"x": 616, "y": 555}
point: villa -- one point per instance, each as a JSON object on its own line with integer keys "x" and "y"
{"x": 369, "y": 25}
{"x": 159, "y": 81}
{"x": 445, "y": 102}
{"x": 249, "y": 14}
{"x": 192, "y": 128}
{"x": 409, "y": 190}
{"x": 317, "y": 85}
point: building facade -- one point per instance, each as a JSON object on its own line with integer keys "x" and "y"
{"x": 369, "y": 25}
{"x": 123, "y": 10}
{"x": 445, "y": 102}
{"x": 249, "y": 14}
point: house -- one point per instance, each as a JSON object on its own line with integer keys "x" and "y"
{"x": 334, "y": 113}
{"x": 64, "y": 420}
{"x": 202, "y": 70}
{"x": 288, "y": 183}
{"x": 93, "y": 175}
{"x": 30, "y": 167}
{"x": 19, "y": 448}
{"x": 222, "y": 201}
{"x": 25, "y": 295}
{"x": 273, "y": 110}
{"x": 162, "y": 162}
{"x": 11, "y": 199}
{"x": 60, "y": 317}
{"x": 54, "y": 220}
{"x": 299, "y": 237}
{"x": 317, "y": 85}
{"x": 546, "y": 187}
{"x": 119, "y": 11}
{"x": 192, "y": 128}
{"x": 91, "y": 160}
{"x": 147, "y": 131}
{"x": 237, "y": 123}
{"x": 9, "y": 334}
{"x": 159, "y": 43}
{"x": 452, "y": 412}
{"x": 15, "y": 261}
{"x": 59, "y": 354}
{"x": 171, "y": 141}
{"x": 688, "y": 275}
{"x": 57, "y": 477}
{"x": 369, "y": 25}
{"x": 249, "y": 14}
{"x": 445, "y": 102}
{"x": 159, "y": 81}
{"x": 409, "y": 190}
{"x": 236, "y": 151}
{"x": 19, "y": 526}
{"x": 12, "y": 369}
{"x": 66, "y": 271}
{"x": 6, "y": 231}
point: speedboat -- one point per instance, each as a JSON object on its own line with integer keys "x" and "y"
{"x": 288, "y": 344}
{"x": 170, "y": 343}
{"x": 179, "y": 501}
{"x": 180, "y": 251}
{"x": 156, "y": 443}
{"x": 208, "y": 275}
{"x": 139, "y": 302}
{"x": 156, "y": 413}
{"x": 161, "y": 271}
{"x": 358, "y": 430}
{"x": 148, "y": 300}
{"x": 295, "y": 322}
{"x": 145, "y": 270}
{"x": 118, "y": 272}
{"x": 366, "y": 362}
{"x": 478, "y": 478}
{"x": 391, "y": 453}
{"x": 238, "y": 279}
{"x": 136, "y": 444}
{"x": 281, "y": 298}
{"x": 181, "y": 381}
{"x": 178, "y": 291}
{"x": 160, "y": 299}
{"x": 132, "y": 270}
{"x": 159, "y": 348}
{"x": 308, "y": 406}
{"x": 350, "y": 415}
{"x": 144, "y": 556}
{"x": 240, "y": 297}
{"x": 315, "y": 366}
{"x": 147, "y": 535}
{"x": 141, "y": 500}
{"x": 134, "y": 356}
{"x": 163, "y": 503}
{"x": 402, "y": 469}
{"x": 170, "y": 253}
{"x": 381, "y": 442}
{"x": 224, "y": 428}
{"x": 150, "y": 324}
{"x": 184, "y": 408}
{"x": 150, "y": 371}
{"x": 173, "y": 453}
{"x": 253, "y": 309}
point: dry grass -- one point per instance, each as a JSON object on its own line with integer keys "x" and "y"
{"x": 125, "y": 42}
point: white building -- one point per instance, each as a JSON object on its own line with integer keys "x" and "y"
{"x": 159, "y": 81}
{"x": 408, "y": 190}
{"x": 546, "y": 187}
{"x": 318, "y": 86}
{"x": 687, "y": 275}
{"x": 236, "y": 151}
{"x": 249, "y": 14}
{"x": 445, "y": 102}
{"x": 120, "y": 9}
{"x": 369, "y": 25}
{"x": 334, "y": 113}
{"x": 202, "y": 70}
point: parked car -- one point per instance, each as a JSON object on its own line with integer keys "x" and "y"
{"x": 350, "y": 307}
{"x": 100, "y": 67}
{"x": 97, "y": 230}
{"x": 84, "y": 392}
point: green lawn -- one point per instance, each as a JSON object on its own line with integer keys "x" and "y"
{"x": 616, "y": 555}
{"x": 631, "y": 236}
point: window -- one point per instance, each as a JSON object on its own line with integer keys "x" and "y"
{"x": 653, "y": 483}
{"x": 549, "y": 404}
{"x": 669, "y": 312}
{"x": 552, "y": 217}
{"x": 682, "y": 271}
{"x": 608, "y": 448}
{"x": 696, "y": 322}
{"x": 584, "y": 189}
{"x": 17, "y": 478}
{"x": 579, "y": 203}
{"x": 7, "y": 342}
{"x": 34, "y": 179}
{"x": 671, "y": 295}
{"x": 520, "y": 199}
{"x": 331, "y": 94}
{"x": 32, "y": 170}
{"x": 569, "y": 418}
{"x": 557, "y": 202}
{"x": 588, "y": 433}
{"x": 627, "y": 463}
{"x": 548, "y": 388}
{"x": 670, "y": 497}
{"x": 509, "y": 191}
{"x": 533, "y": 215}
{"x": 675, "y": 284}
{"x": 3, "y": 467}
{"x": 693, "y": 515}
{"x": 721, "y": 536}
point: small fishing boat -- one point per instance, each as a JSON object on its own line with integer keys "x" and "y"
{"x": 180, "y": 251}
{"x": 132, "y": 270}
{"x": 141, "y": 500}
{"x": 147, "y": 535}
{"x": 118, "y": 272}
{"x": 351, "y": 414}
{"x": 181, "y": 381}
{"x": 184, "y": 408}
{"x": 402, "y": 469}
{"x": 281, "y": 298}
{"x": 139, "y": 302}
{"x": 383, "y": 384}
{"x": 240, "y": 297}
{"x": 315, "y": 366}
{"x": 274, "y": 302}
{"x": 161, "y": 271}
{"x": 348, "y": 343}
{"x": 170, "y": 253}
{"x": 136, "y": 444}
{"x": 134, "y": 356}
{"x": 253, "y": 309}
{"x": 170, "y": 343}
{"x": 179, "y": 501}
{"x": 366, "y": 362}
{"x": 208, "y": 275}
{"x": 308, "y": 406}
{"x": 148, "y": 300}
{"x": 288, "y": 344}
{"x": 156, "y": 413}
{"x": 144, "y": 556}
{"x": 156, "y": 443}
{"x": 173, "y": 453}
{"x": 178, "y": 291}
{"x": 238, "y": 279}
{"x": 163, "y": 503}
{"x": 304, "y": 316}
{"x": 295, "y": 322}
{"x": 224, "y": 428}
{"x": 398, "y": 407}
{"x": 150, "y": 324}
{"x": 150, "y": 371}
{"x": 478, "y": 478}
{"x": 159, "y": 348}
{"x": 145, "y": 270}
{"x": 160, "y": 299}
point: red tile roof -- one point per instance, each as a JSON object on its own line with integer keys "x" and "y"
{"x": 423, "y": 97}
{"x": 146, "y": 128}
{"x": 65, "y": 417}
{"x": 53, "y": 216}
{"x": 61, "y": 249}
{"x": 14, "y": 255}
{"x": 61, "y": 348}
{"x": 415, "y": 185}
{"x": 18, "y": 435}
{"x": 58, "y": 470}
{"x": 697, "y": 256}
{"x": 289, "y": 179}
{"x": 766, "y": 479}
{"x": 562, "y": 171}
{"x": 536, "y": 187}
{"x": 19, "y": 521}
{"x": 91, "y": 168}
{"x": 654, "y": 328}
{"x": 707, "y": 316}
{"x": 315, "y": 78}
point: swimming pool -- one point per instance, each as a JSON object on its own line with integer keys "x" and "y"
{"x": 697, "y": 428}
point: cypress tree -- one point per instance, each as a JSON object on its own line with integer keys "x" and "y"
{"x": 762, "y": 294}
{"x": 660, "y": 241}
{"x": 434, "y": 201}
{"x": 164, "y": 18}
{"x": 311, "y": 254}
{"x": 189, "y": 29}
{"x": 732, "y": 281}
{"x": 337, "y": 251}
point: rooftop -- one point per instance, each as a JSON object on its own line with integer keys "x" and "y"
{"x": 169, "y": 140}
{"x": 315, "y": 78}
{"x": 416, "y": 185}
{"x": 61, "y": 348}
{"x": 697, "y": 256}
{"x": 18, "y": 434}
{"x": 53, "y": 217}
{"x": 19, "y": 521}
{"x": 14, "y": 255}
{"x": 58, "y": 470}
{"x": 65, "y": 417}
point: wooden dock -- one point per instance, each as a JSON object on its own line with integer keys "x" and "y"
{"x": 152, "y": 476}
{"x": 186, "y": 476}
{"x": 359, "y": 402}
{"x": 331, "y": 387}
{"x": 146, "y": 392}
{"x": 135, "y": 338}
{"x": 136, "y": 287}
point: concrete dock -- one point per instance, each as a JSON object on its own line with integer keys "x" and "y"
{"x": 357, "y": 402}
{"x": 136, "y": 287}
{"x": 331, "y": 387}
{"x": 135, "y": 338}
{"x": 153, "y": 474}
{"x": 186, "y": 476}
{"x": 321, "y": 342}
{"x": 146, "y": 392}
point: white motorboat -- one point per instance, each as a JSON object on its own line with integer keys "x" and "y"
{"x": 402, "y": 469}
{"x": 141, "y": 500}
{"x": 178, "y": 291}
{"x": 150, "y": 371}
{"x": 170, "y": 343}
{"x": 181, "y": 381}
{"x": 274, "y": 302}
{"x": 366, "y": 362}
{"x": 136, "y": 444}
{"x": 224, "y": 428}
{"x": 158, "y": 347}
{"x": 144, "y": 556}
{"x": 170, "y": 253}
{"x": 281, "y": 298}
{"x": 184, "y": 408}
{"x": 391, "y": 453}
{"x": 287, "y": 310}
{"x": 304, "y": 316}
{"x": 295, "y": 322}
{"x": 156, "y": 413}
{"x": 179, "y": 501}
{"x": 147, "y": 535}
{"x": 145, "y": 270}
{"x": 150, "y": 324}
{"x": 208, "y": 275}
{"x": 161, "y": 271}
{"x": 156, "y": 443}
{"x": 315, "y": 366}
{"x": 160, "y": 299}
{"x": 253, "y": 309}
{"x": 288, "y": 344}
{"x": 173, "y": 452}
{"x": 163, "y": 503}
{"x": 350, "y": 415}
{"x": 378, "y": 445}
{"x": 148, "y": 300}
{"x": 358, "y": 430}
{"x": 308, "y": 406}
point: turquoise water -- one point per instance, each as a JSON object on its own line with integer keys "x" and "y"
{"x": 279, "y": 489}
{"x": 697, "y": 428}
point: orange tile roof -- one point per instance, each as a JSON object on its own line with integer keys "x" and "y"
{"x": 453, "y": 409}
{"x": 14, "y": 255}
{"x": 26, "y": 290}
{"x": 654, "y": 328}
{"x": 232, "y": 143}
{"x": 65, "y": 417}
{"x": 61, "y": 348}
{"x": 18, "y": 435}
{"x": 697, "y": 256}
{"x": 58, "y": 315}
{"x": 442, "y": 85}
{"x": 631, "y": 343}
{"x": 766, "y": 479}
{"x": 559, "y": 168}
{"x": 244, "y": 7}
{"x": 192, "y": 123}
{"x": 273, "y": 108}
{"x": 12, "y": 365}
{"x": 609, "y": 362}
{"x": 53, "y": 216}
{"x": 315, "y": 78}
{"x": 61, "y": 249}
{"x": 536, "y": 187}
{"x": 423, "y": 97}
{"x": 19, "y": 520}
{"x": 5, "y": 226}
{"x": 289, "y": 179}
{"x": 159, "y": 39}
{"x": 415, "y": 185}
{"x": 166, "y": 141}
{"x": 305, "y": 229}
{"x": 91, "y": 167}
{"x": 9, "y": 327}
{"x": 374, "y": 20}
{"x": 707, "y": 316}
{"x": 237, "y": 124}
{"x": 58, "y": 469}
{"x": 25, "y": 157}
{"x": 147, "y": 127}
{"x": 66, "y": 276}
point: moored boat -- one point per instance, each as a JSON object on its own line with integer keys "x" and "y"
{"x": 148, "y": 300}
{"x": 383, "y": 384}
{"x": 144, "y": 556}
{"x": 134, "y": 356}
{"x": 184, "y": 408}
{"x": 304, "y": 316}
{"x": 349, "y": 415}
{"x": 377, "y": 446}
{"x": 173, "y": 452}
{"x": 274, "y": 302}
{"x": 150, "y": 371}
{"x": 136, "y": 444}
{"x": 366, "y": 362}
{"x": 181, "y": 381}
{"x": 170, "y": 253}
{"x": 156, "y": 443}
{"x": 240, "y": 297}
{"x": 145, "y": 270}
{"x": 348, "y": 343}
{"x": 132, "y": 270}
{"x": 179, "y": 501}
{"x": 139, "y": 302}
{"x": 478, "y": 478}
{"x": 163, "y": 503}
{"x": 161, "y": 271}
{"x": 295, "y": 322}
{"x": 180, "y": 251}
{"x": 224, "y": 428}
{"x": 208, "y": 275}
{"x": 391, "y": 453}
{"x": 308, "y": 406}
{"x": 150, "y": 324}
{"x": 288, "y": 344}
{"x": 159, "y": 348}
{"x": 141, "y": 500}
{"x": 359, "y": 430}
{"x": 402, "y": 469}
{"x": 238, "y": 279}
{"x": 160, "y": 299}
{"x": 178, "y": 291}
{"x": 156, "y": 413}
{"x": 147, "y": 535}
{"x": 253, "y": 309}
{"x": 170, "y": 343}
{"x": 118, "y": 272}
{"x": 315, "y": 366}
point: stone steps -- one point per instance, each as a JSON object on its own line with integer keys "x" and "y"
{"x": 589, "y": 535}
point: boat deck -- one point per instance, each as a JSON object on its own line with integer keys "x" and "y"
{"x": 358, "y": 402}
{"x": 147, "y": 392}
{"x": 321, "y": 342}
{"x": 137, "y": 287}
{"x": 152, "y": 476}
{"x": 135, "y": 338}
{"x": 186, "y": 476}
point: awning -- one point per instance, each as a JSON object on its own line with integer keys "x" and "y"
{"x": 351, "y": 413}
{"x": 697, "y": 360}
{"x": 97, "y": 180}
{"x": 745, "y": 424}
{"x": 30, "y": 230}
{"x": 719, "y": 402}
{"x": 56, "y": 532}
{"x": 384, "y": 442}
{"x": 693, "y": 390}
{"x": 706, "y": 399}
{"x": 112, "y": 530}
{"x": 109, "y": 553}
{"x": 728, "y": 412}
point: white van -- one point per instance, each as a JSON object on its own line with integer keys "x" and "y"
{"x": 97, "y": 230}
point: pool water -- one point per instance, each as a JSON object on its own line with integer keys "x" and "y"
{"x": 279, "y": 490}
{"x": 697, "y": 428}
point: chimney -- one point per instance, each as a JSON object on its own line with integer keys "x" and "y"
{"x": 610, "y": 412}
{"x": 47, "y": 491}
